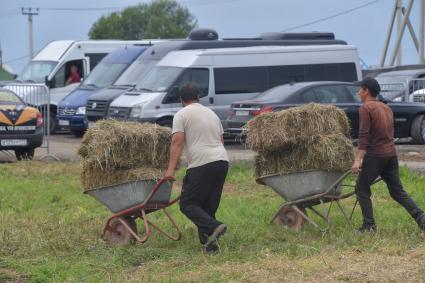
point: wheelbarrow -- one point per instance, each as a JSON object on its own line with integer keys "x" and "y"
{"x": 305, "y": 190}
{"x": 130, "y": 201}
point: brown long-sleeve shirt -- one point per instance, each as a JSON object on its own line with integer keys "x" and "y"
{"x": 376, "y": 129}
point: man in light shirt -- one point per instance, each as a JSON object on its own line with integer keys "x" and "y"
{"x": 198, "y": 130}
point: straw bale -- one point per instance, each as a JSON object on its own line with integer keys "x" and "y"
{"x": 93, "y": 177}
{"x": 124, "y": 145}
{"x": 283, "y": 129}
{"x": 323, "y": 152}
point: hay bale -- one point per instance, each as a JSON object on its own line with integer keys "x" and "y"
{"x": 283, "y": 129}
{"x": 116, "y": 144}
{"x": 115, "y": 152}
{"x": 94, "y": 177}
{"x": 323, "y": 152}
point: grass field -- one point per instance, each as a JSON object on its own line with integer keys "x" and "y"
{"x": 50, "y": 232}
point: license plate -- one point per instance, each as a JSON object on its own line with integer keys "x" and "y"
{"x": 242, "y": 113}
{"x": 63, "y": 122}
{"x": 91, "y": 124}
{"x": 14, "y": 142}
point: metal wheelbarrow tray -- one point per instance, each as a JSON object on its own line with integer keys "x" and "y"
{"x": 304, "y": 190}
{"x": 130, "y": 201}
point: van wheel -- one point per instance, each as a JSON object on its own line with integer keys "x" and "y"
{"x": 418, "y": 130}
{"x": 24, "y": 154}
{"x": 166, "y": 123}
{"x": 52, "y": 121}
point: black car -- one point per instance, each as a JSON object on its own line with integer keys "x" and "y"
{"x": 408, "y": 117}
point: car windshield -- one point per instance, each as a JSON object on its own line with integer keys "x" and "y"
{"x": 36, "y": 71}
{"x": 7, "y": 97}
{"x": 104, "y": 74}
{"x": 135, "y": 72}
{"x": 159, "y": 79}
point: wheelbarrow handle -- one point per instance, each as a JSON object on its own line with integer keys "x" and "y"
{"x": 154, "y": 190}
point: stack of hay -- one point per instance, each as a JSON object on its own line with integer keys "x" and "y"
{"x": 310, "y": 137}
{"x": 114, "y": 152}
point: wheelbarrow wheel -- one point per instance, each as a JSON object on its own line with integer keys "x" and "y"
{"x": 290, "y": 218}
{"x": 122, "y": 237}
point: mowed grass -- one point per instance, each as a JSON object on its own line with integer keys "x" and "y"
{"x": 51, "y": 232}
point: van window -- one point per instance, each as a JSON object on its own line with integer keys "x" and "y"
{"x": 198, "y": 76}
{"x": 286, "y": 74}
{"x": 240, "y": 80}
{"x": 95, "y": 58}
{"x": 65, "y": 71}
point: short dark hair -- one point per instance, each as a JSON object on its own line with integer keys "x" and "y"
{"x": 189, "y": 92}
{"x": 370, "y": 84}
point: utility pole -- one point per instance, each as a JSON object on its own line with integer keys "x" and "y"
{"x": 30, "y": 12}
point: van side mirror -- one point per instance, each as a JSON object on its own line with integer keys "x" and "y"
{"x": 173, "y": 95}
{"x": 49, "y": 83}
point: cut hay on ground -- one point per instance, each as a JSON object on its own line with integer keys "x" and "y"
{"x": 325, "y": 152}
{"x": 115, "y": 152}
{"x": 283, "y": 129}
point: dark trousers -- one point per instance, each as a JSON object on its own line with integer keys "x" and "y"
{"x": 387, "y": 168}
{"x": 201, "y": 194}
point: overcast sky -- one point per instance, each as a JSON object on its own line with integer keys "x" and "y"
{"x": 364, "y": 27}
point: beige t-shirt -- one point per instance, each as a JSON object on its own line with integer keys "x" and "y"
{"x": 203, "y": 131}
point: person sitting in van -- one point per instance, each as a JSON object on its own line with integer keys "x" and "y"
{"x": 74, "y": 77}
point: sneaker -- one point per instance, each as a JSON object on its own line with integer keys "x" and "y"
{"x": 421, "y": 221}
{"x": 367, "y": 228}
{"x": 203, "y": 237}
{"x": 212, "y": 248}
{"x": 217, "y": 233}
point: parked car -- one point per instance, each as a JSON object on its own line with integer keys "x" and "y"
{"x": 408, "y": 117}
{"x": 21, "y": 126}
{"x": 395, "y": 84}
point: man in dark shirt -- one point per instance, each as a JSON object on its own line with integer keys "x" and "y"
{"x": 376, "y": 156}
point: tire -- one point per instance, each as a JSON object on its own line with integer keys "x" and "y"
{"x": 24, "y": 154}
{"x": 124, "y": 237}
{"x": 417, "y": 130}
{"x": 78, "y": 134}
{"x": 53, "y": 123}
{"x": 166, "y": 123}
{"x": 290, "y": 218}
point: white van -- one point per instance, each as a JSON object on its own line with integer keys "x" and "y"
{"x": 231, "y": 74}
{"x": 52, "y": 65}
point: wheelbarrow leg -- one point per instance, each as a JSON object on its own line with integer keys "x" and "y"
{"x": 173, "y": 222}
{"x": 148, "y": 231}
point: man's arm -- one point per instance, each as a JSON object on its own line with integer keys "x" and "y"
{"x": 177, "y": 143}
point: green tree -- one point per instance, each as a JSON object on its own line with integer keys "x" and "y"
{"x": 158, "y": 19}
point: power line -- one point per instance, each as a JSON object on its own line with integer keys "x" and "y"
{"x": 332, "y": 16}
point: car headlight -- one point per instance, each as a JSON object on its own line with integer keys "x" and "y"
{"x": 136, "y": 110}
{"x": 81, "y": 110}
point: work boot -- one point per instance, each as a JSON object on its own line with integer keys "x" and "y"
{"x": 203, "y": 237}
{"x": 421, "y": 221}
{"x": 370, "y": 228}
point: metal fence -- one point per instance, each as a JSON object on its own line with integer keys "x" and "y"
{"x": 393, "y": 91}
{"x": 38, "y": 96}
{"x": 417, "y": 90}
